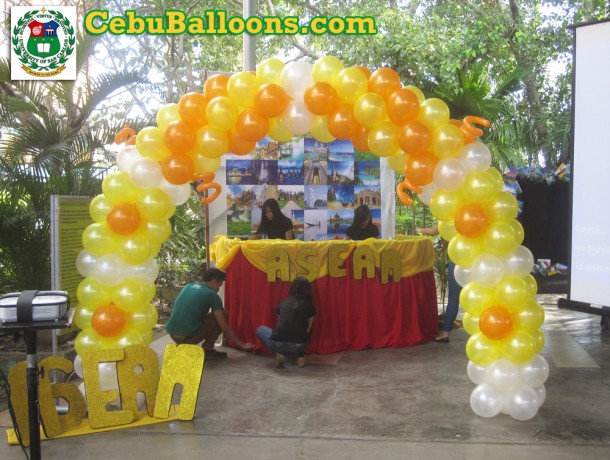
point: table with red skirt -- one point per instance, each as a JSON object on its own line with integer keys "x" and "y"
{"x": 356, "y": 308}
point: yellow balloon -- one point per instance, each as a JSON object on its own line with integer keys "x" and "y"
{"x": 447, "y": 141}
{"x": 418, "y": 92}
{"x": 530, "y": 317}
{"x": 130, "y": 337}
{"x": 519, "y": 232}
{"x": 89, "y": 340}
{"x": 433, "y": 112}
{"x": 166, "y": 114}
{"x": 241, "y": 88}
{"x": 319, "y": 129}
{"x": 499, "y": 239}
{"x": 370, "y": 109}
{"x": 497, "y": 176}
{"x": 531, "y": 284}
{"x": 482, "y": 350}
{"x": 212, "y": 141}
{"x": 92, "y": 294}
{"x": 463, "y": 250}
{"x": 158, "y": 231}
{"x": 471, "y": 323}
{"x": 397, "y": 162}
{"x": 480, "y": 188}
{"x": 135, "y": 249}
{"x": 519, "y": 347}
{"x": 512, "y": 293}
{"x": 130, "y": 295}
{"x": 446, "y": 229}
{"x": 326, "y": 69}
{"x": 153, "y": 204}
{"x": 144, "y": 319}
{"x": 444, "y": 204}
{"x": 539, "y": 340}
{"x": 383, "y": 139}
{"x": 204, "y": 164}
{"x": 99, "y": 208}
{"x": 269, "y": 70}
{"x": 504, "y": 208}
{"x": 350, "y": 84}
{"x": 149, "y": 142}
{"x": 277, "y": 130}
{"x": 221, "y": 112}
{"x": 118, "y": 188}
{"x": 82, "y": 317}
{"x": 475, "y": 299}
{"x": 99, "y": 240}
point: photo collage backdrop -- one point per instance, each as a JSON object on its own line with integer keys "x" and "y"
{"x": 318, "y": 185}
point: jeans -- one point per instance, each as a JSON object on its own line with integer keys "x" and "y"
{"x": 285, "y": 348}
{"x": 453, "y": 299}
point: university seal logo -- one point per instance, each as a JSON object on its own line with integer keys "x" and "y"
{"x": 43, "y": 42}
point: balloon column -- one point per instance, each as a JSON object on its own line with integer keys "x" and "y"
{"x": 443, "y": 164}
{"x": 478, "y": 219}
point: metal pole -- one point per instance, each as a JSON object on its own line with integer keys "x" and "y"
{"x": 32, "y": 385}
{"x": 249, "y": 43}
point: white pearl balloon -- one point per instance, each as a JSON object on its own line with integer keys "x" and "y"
{"x": 522, "y": 403}
{"x": 146, "y": 272}
{"x": 449, "y": 174}
{"x": 519, "y": 262}
{"x": 110, "y": 270}
{"x": 502, "y": 375}
{"x": 295, "y": 78}
{"x": 475, "y": 157}
{"x": 541, "y": 393}
{"x": 426, "y": 194}
{"x": 85, "y": 263}
{"x": 297, "y": 119}
{"x": 462, "y": 275}
{"x": 146, "y": 173}
{"x": 485, "y": 401}
{"x": 487, "y": 270}
{"x": 178, "y": 194}
{"x": 534, "y": 372}
{"x": 476, "y": 373}
{"x": 127, "y": 157}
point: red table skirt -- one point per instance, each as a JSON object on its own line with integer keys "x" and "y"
{"x": 350, "y": 314}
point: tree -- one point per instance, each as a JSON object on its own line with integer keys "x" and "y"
{"x": 52, "y": 144}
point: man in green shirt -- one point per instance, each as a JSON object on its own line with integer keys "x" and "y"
{"x": 199, "y": 316}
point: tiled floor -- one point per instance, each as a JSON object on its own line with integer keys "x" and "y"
{"x": 387, "y": 404}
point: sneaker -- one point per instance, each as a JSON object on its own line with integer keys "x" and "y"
{"x": 279, "y": 360}
{"x": 213, "y": 355}
{"x": 302, "y": 362}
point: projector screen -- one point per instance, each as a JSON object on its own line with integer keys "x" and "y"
{"x": 590, "y": 228}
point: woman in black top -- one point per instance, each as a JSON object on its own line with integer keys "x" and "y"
{"x": 363, "y": 226}
{"x": 295, "y": 319}
{"x": 273, "y": 223}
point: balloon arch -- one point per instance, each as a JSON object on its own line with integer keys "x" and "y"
{"x": 443, "y": 162}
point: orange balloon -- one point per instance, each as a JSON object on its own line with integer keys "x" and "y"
{"x": 414, "y": 137}
{"x": 360, "y": 139}
{"x": 471, "y": 220}
{"x": 123, "y": 218}
{"x": 383, "y": 81}
{"x": 191, "y": 108}
{"x": 496, "y": 322}
{"x": 252, "y": 125}
{"x": 271, "y": 100}
{"x": 403, "y": 106}
{"x": 419, "y": 169}
{"x": 108, "y": 320}
{"x": 178, "y": 169}
{"x": 216, "y": 85}
{"x": 364, "y": 70}
{"x": 341, "y": 123}
{"x": 238, "y": 145}
{"x": 321, "y": 98}
{"x": 179, "y": 137}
